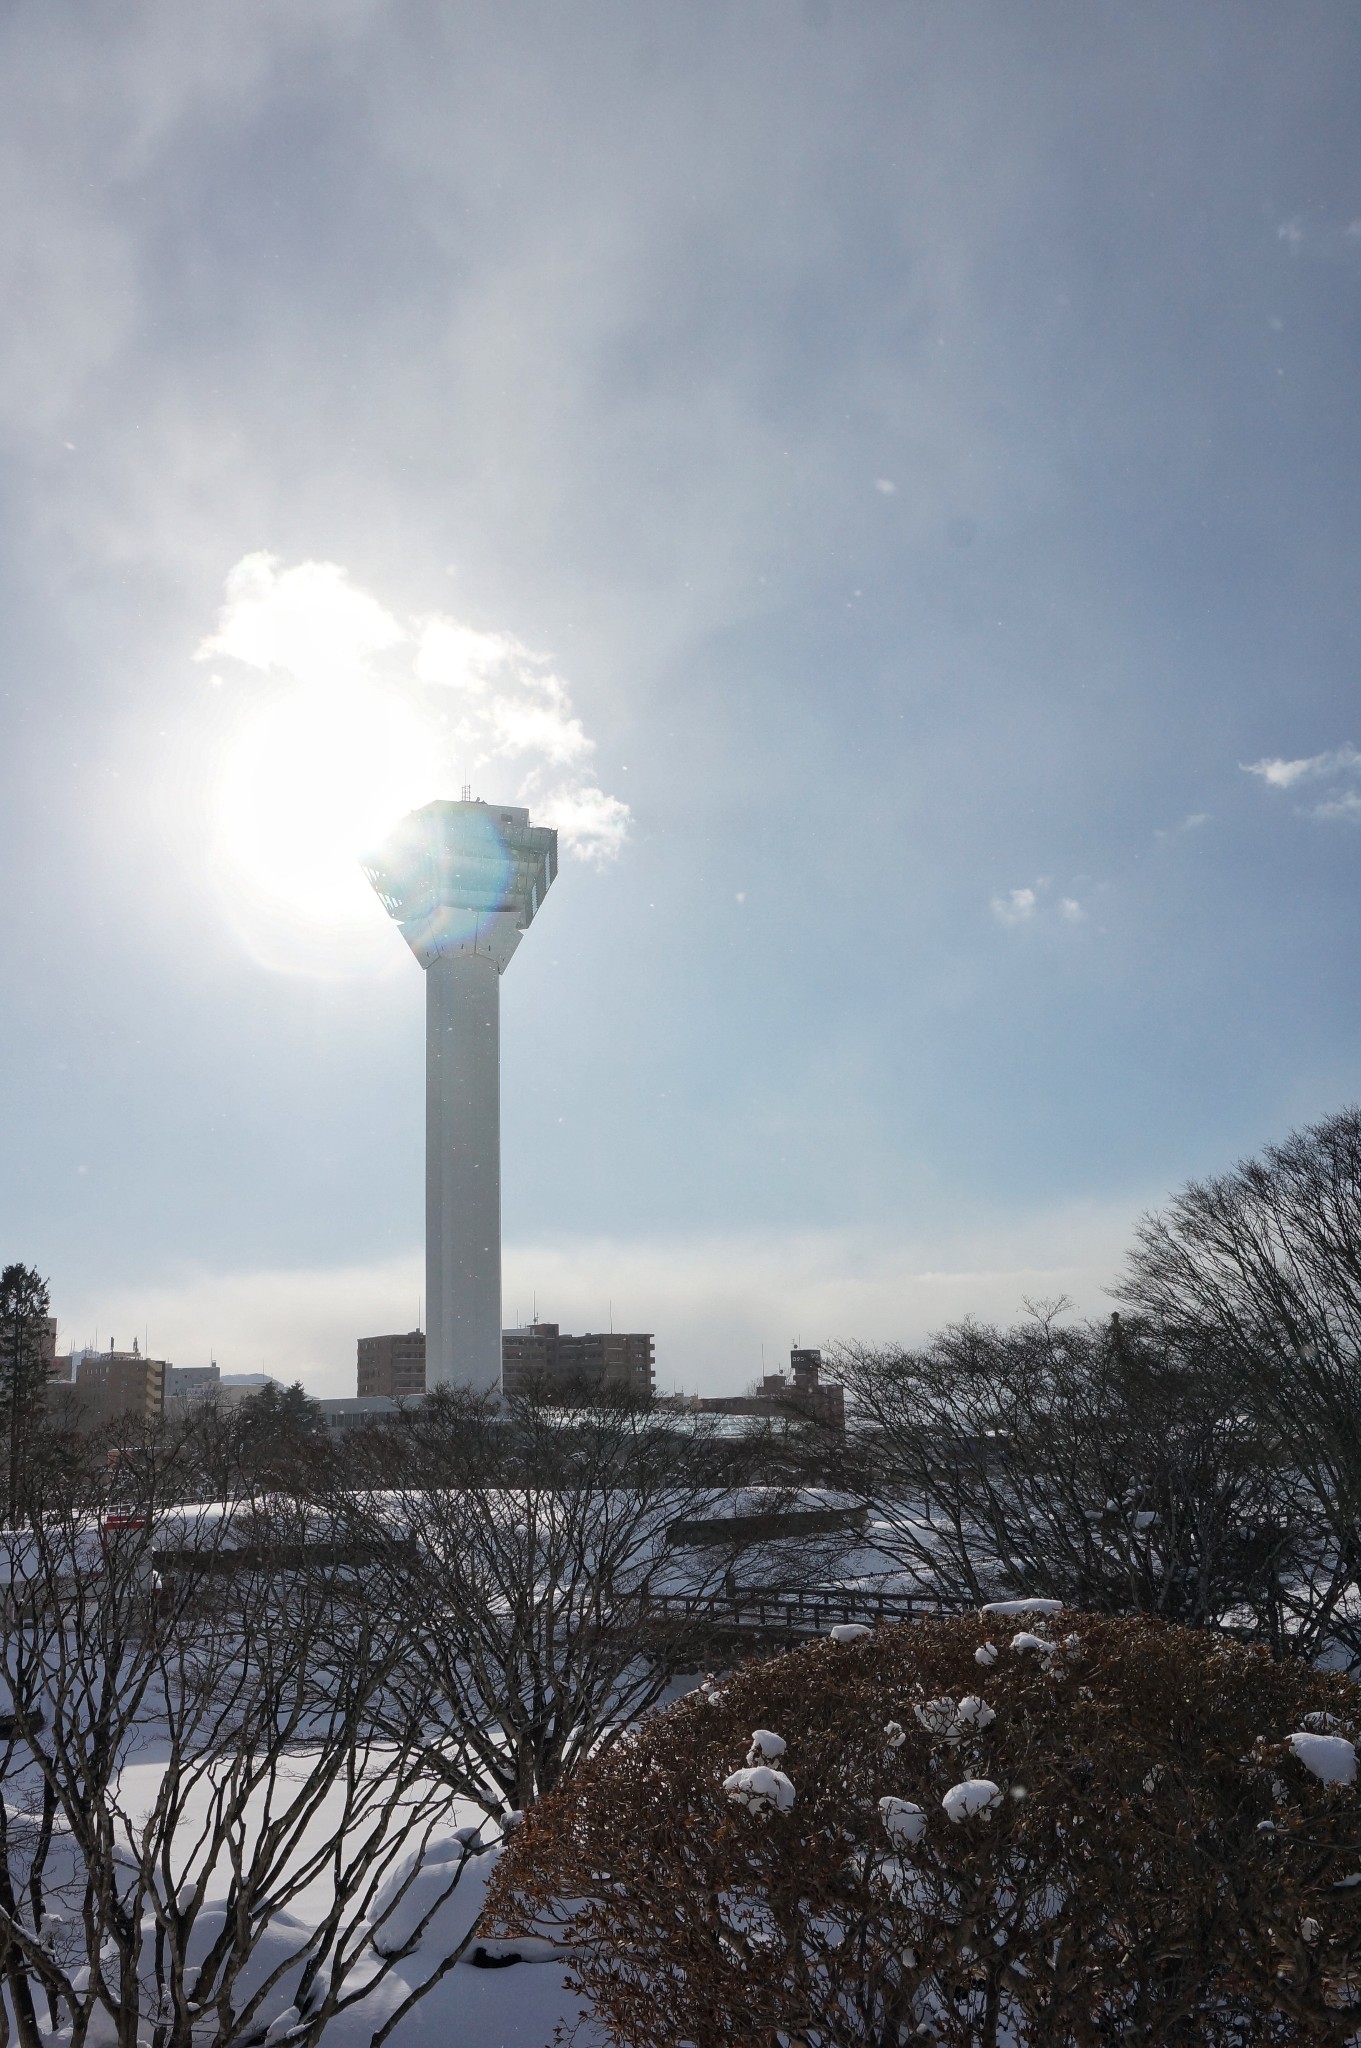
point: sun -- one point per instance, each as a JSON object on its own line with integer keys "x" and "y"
{"x": 310, "y": 782}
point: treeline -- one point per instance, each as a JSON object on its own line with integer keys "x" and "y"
{"x": 1195, "y": 1455}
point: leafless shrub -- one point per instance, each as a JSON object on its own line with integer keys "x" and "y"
{"x": 1139, "y": 1853}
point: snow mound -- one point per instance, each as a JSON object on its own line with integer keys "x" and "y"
{"x": 849, "y": 1631}
{"x": 904, "y": 1823}
{"x": 972, "y": 1712}
{"x": 1330, "y": 1757}
{"x": 1023, "y": 1640}
{"x": 985, "y": 1654}
{"x": 443, "y": 1883}
{"x": 760, "y": 1790}
{"x": 895, "y": 1735}
{"x": 765, "y": 1746}
{"x": 1009, "y": 1607}
{"x": 952, "y": 1720}
{"x": 973, "y": 1795}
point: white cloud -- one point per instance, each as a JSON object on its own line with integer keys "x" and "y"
{"x": 308, "y": 622}
{"x": 1016, "y": 907}
{"x": 1283, "y": 774}
{"x": 1348, "y": 805}
{"x": 1329, "y": 767}
{"x": 1071, "y": 911}
{"x": 459, "y": 658}
{"x": 711, "y": 1300}
{"x": 590, "y": 824}
{"x": 517, "y": 725}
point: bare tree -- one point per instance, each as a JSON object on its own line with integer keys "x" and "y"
{"x": 190, "y": 1751}
{"x": 1264, "y": 1263}
{"x": 1094, "y": 1462}
{"x": 519, "y": 1556}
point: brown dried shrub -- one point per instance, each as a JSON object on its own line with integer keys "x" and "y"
{"x": 1160, "y": 1867}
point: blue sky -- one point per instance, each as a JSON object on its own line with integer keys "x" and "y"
{"x": 884, "y": 477}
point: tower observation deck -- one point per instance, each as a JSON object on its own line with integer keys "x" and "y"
{"x": 463, "y": 882}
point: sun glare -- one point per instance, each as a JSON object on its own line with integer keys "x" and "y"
{"x": 313, "y": 780}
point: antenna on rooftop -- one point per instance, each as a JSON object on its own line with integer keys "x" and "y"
{"x": 467, "y": 793}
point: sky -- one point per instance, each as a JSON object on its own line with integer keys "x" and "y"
{"x": 884, "y": 479}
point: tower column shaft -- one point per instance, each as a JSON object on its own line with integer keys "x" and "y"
{"x": 463, "y": 1172}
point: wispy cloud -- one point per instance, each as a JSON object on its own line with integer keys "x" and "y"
{"x": 1192, "y": 822}
{"x": 1348, "y": 805}
{"x": 1336, "y": 767}
{"x": 1018, "y": 906}
{"x": 1031, "y": 904}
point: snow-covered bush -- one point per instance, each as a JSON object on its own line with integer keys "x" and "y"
{"x": 1151, "y": 1835}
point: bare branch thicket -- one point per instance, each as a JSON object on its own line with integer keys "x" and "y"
{"x": 201, "y": 1837}
{"x": 1095, "y": 1462}
{"x": 1080, "y": 1830}
{"x": 517, "y": 1555}
{"x": 1264, "y": 1263}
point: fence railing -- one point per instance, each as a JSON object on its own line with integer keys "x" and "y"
{"x": 802, "y": 1612}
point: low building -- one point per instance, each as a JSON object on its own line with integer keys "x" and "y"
{"x": 392, "y": 1366}
{"x": 347, "y": 1411}
{"x": 800, "y": 1398}
{"x": 542, "y": 1358}
{"x": 234, "y": 1389}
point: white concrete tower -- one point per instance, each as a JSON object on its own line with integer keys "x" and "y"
{"x": 463, "y": 881}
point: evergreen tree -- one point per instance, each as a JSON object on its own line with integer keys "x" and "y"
{"x": 24, "y": 1310}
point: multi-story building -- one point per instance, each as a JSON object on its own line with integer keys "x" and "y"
{"x": 186, "y": 1383}
{"x": 113, "y": 1383}
{"x": 540, "y": 1357}
{"x": 392, "y": 1366}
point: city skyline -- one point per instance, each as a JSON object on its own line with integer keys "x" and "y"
{"x": 883, "y": 487}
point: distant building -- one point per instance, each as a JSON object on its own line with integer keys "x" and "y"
{"x": 358, "y": 1411}
{"x": 392, "y": 1366}
{"x": 539, "y": 1357}
{"x": 110, "y": 1384}
{"x": 800, "y": 1398}
{"x": 234, "y": 1389}
{"x": 186, "y": 1383}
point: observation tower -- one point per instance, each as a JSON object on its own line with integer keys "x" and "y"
{"x": 463, "y": 881}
